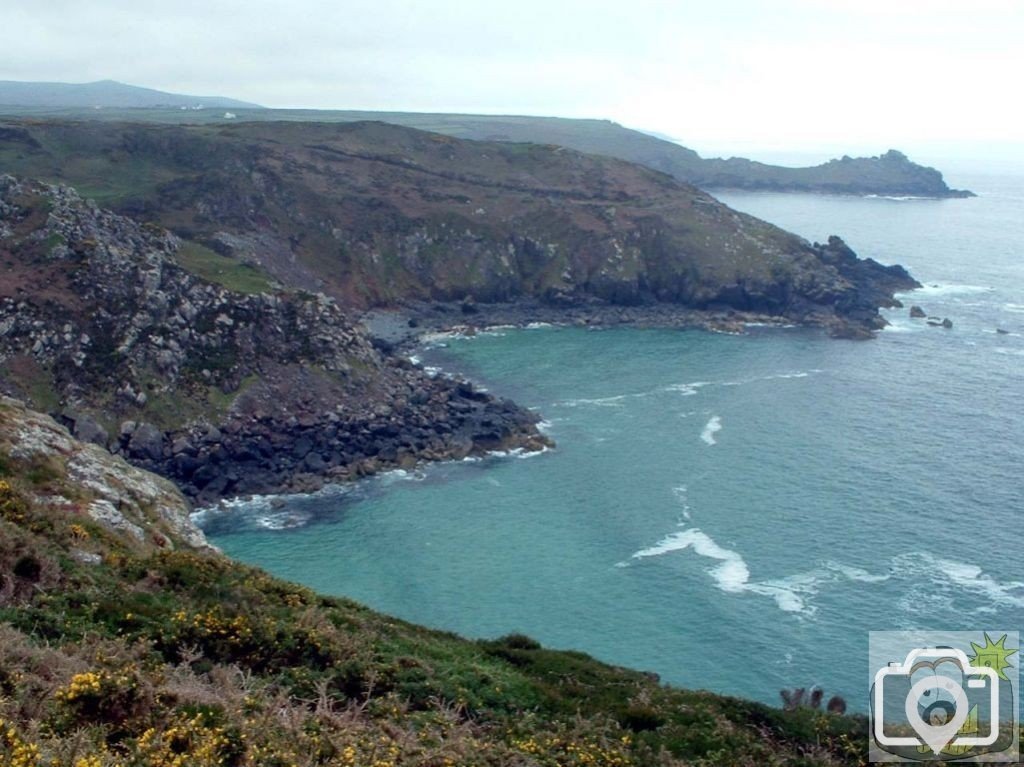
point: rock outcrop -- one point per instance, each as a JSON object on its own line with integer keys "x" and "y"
{"x": 223, "y": 392}
{"x": 85, "y": 479}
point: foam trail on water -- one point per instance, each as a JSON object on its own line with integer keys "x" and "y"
{"x": 711, "y": 428}
{"x": 971, "y": 577}
{"x": 948, "y": 289}
{"x": 688, "y": 389}
{"x": 731, "y": 575}
{"x": 680, "y": 492}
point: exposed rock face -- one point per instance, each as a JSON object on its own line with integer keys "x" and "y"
{"x": 146, "y": 508}
{"x": 917, "y": 313}
{"x": 223, "y": 392}
{"x": 377, "y": 215}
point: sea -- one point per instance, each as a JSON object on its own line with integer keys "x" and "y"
{"x": 731, "y": 512}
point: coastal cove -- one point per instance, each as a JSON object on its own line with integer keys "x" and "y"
{"x": 691, "y": 519}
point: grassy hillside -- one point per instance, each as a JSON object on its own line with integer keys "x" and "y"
{"x": 124, "y": 640}
{"x": 376, "y": 214}
{"x": 889, "y": 174}
{"x": 103, "y": 94}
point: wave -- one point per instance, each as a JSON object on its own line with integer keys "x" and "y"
{"x": 688, "y": 389}
{"x": 965, "y": 576}
{"x": 949, "y": 289}
{"x": 614, "y": 401}
{"x": 774, "y": 377}
{"x": 896, "y": 197}
{"x": 731, "y": 575}
{"x": 1015, "y": 308}
{"x": 711, "y": 428}
{"x": 791, "y": 594}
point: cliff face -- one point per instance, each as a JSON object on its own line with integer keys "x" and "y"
{"x": 226, "y": 393}
{"x": 375, "y": 214}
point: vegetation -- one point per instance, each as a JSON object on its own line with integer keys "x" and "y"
{"x": 232, "y": 274}
{"x": 891, "y": 173}
{"x": 128, "y": 652}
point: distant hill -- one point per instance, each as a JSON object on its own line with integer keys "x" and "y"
{"x": 891, "y": 174}
{"x": 105, "y": 93}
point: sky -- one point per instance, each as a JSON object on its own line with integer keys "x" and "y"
{"x": 730, "y": 76}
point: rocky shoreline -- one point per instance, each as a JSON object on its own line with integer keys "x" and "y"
{"x": 232, "y": 393}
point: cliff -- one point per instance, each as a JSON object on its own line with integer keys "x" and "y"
{"x": 125, "y": 640}
{"x": 225, "y": 392}
{"x": 375, "y": 215}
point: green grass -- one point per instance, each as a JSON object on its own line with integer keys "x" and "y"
{"x": 232, "y": 274}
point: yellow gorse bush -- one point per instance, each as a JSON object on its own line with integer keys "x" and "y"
{"x": 14, "y": 751}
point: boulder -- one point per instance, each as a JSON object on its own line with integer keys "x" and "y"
{"x": 146, "y": 441}
{"x": 917, "y": 313}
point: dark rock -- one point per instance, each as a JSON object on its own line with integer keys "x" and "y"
{"x": 88, "y": 430}
{"x": 917, "y": 312}
{"x": 146, "y": 441}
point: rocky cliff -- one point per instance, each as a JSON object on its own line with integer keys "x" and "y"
{"x": 224, "y": 392}
{"x": 376, "y": 214}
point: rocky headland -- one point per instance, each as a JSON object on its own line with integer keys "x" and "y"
{"x": 223, "y": 392}
{"x": 210, "y": 327}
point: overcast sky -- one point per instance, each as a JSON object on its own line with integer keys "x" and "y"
{"x": 817, "y": 74}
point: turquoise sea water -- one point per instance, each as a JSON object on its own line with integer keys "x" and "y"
{"x": 732, "y": 512}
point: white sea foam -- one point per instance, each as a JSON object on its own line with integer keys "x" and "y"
{"x": 711, "y": 428}
{"x": 948, "y": 289}
{"x": 731, "y": 574}
{"x": 614, "y": 401}
{"x": 895, "y": 197}
{"x": 1015, "y": 308}
{"x": 538, "y": 325}
{"x": 791, "y": 594}
{"x": 1007, "y": 351}
{"x": 774, "y": 377}
{"x": 973, "y": 578}
{"x": 688, "y": 389}
{"x": 681, "y": 494}
{"x": 284, "y": 520}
